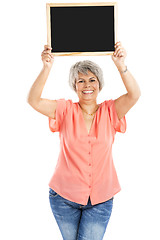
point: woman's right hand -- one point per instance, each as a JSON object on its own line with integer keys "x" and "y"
{"x": 47, "y": 57}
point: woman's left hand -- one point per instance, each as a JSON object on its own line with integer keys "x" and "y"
{"x": 119, "y": 55}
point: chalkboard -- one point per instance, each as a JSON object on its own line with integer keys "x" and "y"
{"x": 81, "y": 28}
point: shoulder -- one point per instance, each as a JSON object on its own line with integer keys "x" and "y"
{"x": 107, "y": 103}
{"x": 66, "y": 103}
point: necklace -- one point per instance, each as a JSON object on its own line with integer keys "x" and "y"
{"x": 88, "y": 113}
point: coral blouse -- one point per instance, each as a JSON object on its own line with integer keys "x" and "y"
{"x": 85, "y": 166}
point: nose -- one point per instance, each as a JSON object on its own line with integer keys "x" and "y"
{"x": 87, "y": 84}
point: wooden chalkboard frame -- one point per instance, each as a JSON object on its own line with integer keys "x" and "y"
{"x": 52, "y": 5}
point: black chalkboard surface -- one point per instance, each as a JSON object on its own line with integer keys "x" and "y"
{"x": 81, "y": 29}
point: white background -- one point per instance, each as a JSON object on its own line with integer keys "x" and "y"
{"x": 29, "y": 150}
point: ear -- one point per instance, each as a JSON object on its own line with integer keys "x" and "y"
{"x": 75, "y": 83}
{"x": 99, "y": 85}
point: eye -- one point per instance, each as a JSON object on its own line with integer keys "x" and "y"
{"x": 80, "y": 81}
{"x": 92, "y": 80}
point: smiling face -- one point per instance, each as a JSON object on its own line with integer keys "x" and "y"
{"x": 87, "y": 86}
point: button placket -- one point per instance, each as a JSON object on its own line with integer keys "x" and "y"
{"x": 89, "y": 152}
{"x": 90, "y": 164}
{"x": 89, "y": 142}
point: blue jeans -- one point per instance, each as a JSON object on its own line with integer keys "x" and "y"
{"x": 77, "y": 221}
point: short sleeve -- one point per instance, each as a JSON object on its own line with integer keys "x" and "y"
{"x": 118, "y": 125}
{"x": 61, "y": 110}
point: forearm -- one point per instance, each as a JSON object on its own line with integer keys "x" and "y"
{"x": 37, "y": 87}
{"x": 130, "y": 83}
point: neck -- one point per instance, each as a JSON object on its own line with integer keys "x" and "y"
{"x": 89, "y": 108}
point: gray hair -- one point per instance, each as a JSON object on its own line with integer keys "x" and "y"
{"x": 83, "y": 67}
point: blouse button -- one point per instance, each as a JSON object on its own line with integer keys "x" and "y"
{"x": 89, "y": 186}
{"x": 89, "y": 164}
{"x": 89, "y": 175}
{"x": 89, "y": 153}
{"x": 89, "y": 141}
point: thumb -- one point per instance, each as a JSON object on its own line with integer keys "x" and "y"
{"x": 113, "y": 57}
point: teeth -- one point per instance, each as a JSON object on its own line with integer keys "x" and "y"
{"x": 87, "y": 91}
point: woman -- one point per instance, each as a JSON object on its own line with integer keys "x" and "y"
{"x": 85, "y": 181}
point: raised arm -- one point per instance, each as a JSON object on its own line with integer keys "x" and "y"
{"x": 125, "y": 102}
{"x": 44, "y": 106}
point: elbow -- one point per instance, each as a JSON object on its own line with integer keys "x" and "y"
{"x": 135, "y": 96}
{"x": 32, "y": 102}
{"x": 29, "y": 100}
{"x": 138, "y": 94}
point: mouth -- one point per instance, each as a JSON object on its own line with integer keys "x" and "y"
{"x": 87, "y": 92}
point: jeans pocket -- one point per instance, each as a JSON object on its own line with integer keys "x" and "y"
{"x": 52, "y": 193}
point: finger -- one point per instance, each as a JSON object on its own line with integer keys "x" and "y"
{"x": 117, "y": 44}
{"x": 119, "y": 51}
{"x": 122, "y": 51}
{"x": 47, "y": 47}
{"x": 118, "y": 48}
{"x": 47, "y": 60}
{"x": 116, "y": 52}
{"x": 121, "y": 54}
{"x": 46, "y": 57}
{"x": 46, "y": 52}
